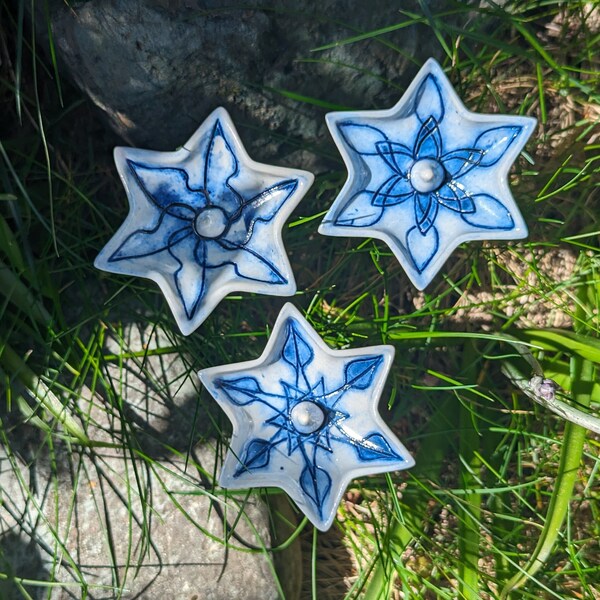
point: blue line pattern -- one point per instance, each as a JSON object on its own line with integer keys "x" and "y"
{"x": 205, "y": 228}
{"x": 428, "y": 146}
{"x": 295, "y": 356}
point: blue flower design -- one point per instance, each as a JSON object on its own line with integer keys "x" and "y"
{"x": 432, "y": 155}
{"x": 304, "y": 420}
{"x": 210, "y": 218}
{"x": 205, "y": 228}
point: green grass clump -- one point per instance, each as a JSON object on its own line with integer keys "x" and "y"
{"x": 503, "y": 501}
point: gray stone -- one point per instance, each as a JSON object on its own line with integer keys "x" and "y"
{"x": 108, "y": 520}
{"x": 157, "y": 68}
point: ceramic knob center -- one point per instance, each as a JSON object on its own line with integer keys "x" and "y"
{"x": 307, "y": 417}
{"x": 210, "y": 222}
{"x": 427, "y": 175}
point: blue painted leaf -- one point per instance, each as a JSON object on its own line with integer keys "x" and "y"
{"x": 316, "y": 484}
{"x": 375, "y": 447}
{"x": 422, "y": 247}
{"x": 256, "y": 456}
{"x": 360, "y": 372}
{"x": 296, "y": 350}
{"x": 489, "y": 213}
{"x": 459, "y": 162}
{"x": 220, "y": 166}
{"x": 397, "y": 156}
{"x": 360, "y": 211}
{"x": 428, "y": 100}
{"x": 190, "y": 276}
{"x": 260, "y": 208}
{"x": 426, "y": 210}
{"x": 429, "y": 141}
{"x": 168, "y": 189}
{"x": 495, "y": 142}
{"x": 146, "y": 242}
{"x": 241, "y": 391}
{"x": 395, "y": 190}
{"x": 265, "y": 205}
{"x": 250, "y": 264}
{"x": 361, "y": 138}
{"x": 453, "y": 196}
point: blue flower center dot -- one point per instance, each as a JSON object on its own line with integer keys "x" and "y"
{"x": 307, "y": 417}
{"x": 210, "y": 222}
{"x": 427, "y": 175}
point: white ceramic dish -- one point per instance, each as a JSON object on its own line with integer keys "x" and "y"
{"x": 204, "y": 221}
{"x": 427, "y": 175}
{"x": 305, "y": 417}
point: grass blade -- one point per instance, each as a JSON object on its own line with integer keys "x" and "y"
{"x": 19, "y": 59}
{"x": 470, "y": 510}
{"x": 570, "y": 459}
{"x": 41, "y": 393}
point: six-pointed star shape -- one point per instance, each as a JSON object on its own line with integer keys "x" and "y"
{"x": 305, "y": 417}
{"x": 204, "y": 221}
{"x": 427, "y": 175}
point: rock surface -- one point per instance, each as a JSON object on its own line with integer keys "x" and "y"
{"x": 106, "y": 521}
{"x": 157, "y": 68}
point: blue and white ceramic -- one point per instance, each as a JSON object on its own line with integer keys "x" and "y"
{"x": 305, "y": 417}
{"x": 204, "y": 221}
{"x": 427, "y": 175}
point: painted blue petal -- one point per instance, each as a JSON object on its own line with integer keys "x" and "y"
{"x": 426, "y": 209}
{"x": 422, "y": 247}
{"x": 459, "y": 162}
{"x": 495, "y": 142}
{"x": 359, "y": 211}
{"x": 241, "y": 391}
{"x": 489, "y": 213}
{"x": 296, "y": 351}
{"x": 429, "y": 142}
{"x": 262, "y": 207}
{"x": 360, "y": 373}
{"x": 168, "y": 187}
{"x": 398, "y": 156}
{"x": 395, "y": 190}
{"x": 316, "y": 484}
{"x": 428, "y": 100}
{"x": 266, "y": 204}
{"x": 256, "y": 456}
{"x": 375, "y": 447}
{"x": 361, "y": 138}
{"x": 220, "y": 166}
{"x": 221, "y": 163}
{"x": 454, "y": 196}
{"x": 248, "y": 263}
{"x": 190, "y": 276}
{"x": 146, "y": 242}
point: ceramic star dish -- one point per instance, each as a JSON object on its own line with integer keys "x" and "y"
{"x": 305, "y": 417}
{"x": 204, "y": 221}
{"x": 427, "y": 175}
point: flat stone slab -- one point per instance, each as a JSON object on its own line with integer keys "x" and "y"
{"x": 114, "y": 524}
